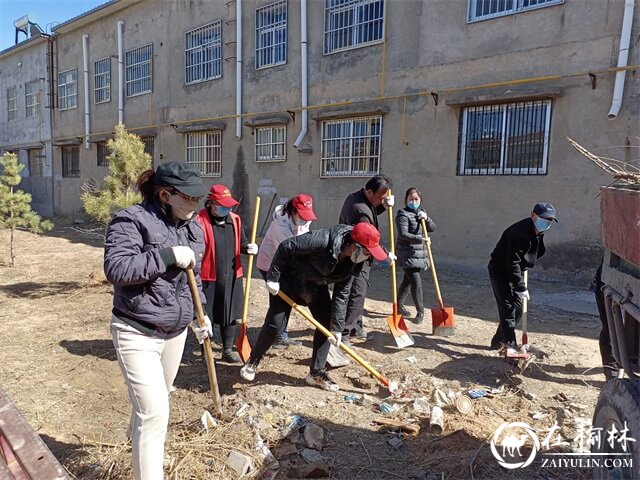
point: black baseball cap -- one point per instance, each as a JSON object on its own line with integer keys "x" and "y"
{"x": 545, "y": 210}
{"x": 181, "y": 176}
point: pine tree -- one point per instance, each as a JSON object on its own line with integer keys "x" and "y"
{"x": 126, "y": 161}
{"x": 15, "y": 205}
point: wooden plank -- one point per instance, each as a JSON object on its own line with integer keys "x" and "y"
{"x": 620, "y": 211}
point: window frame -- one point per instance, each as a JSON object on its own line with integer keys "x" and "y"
{"x": 518, "y": 7}
{"x": 131, "y": 67}
{"x": 67, "y": 170}
{"x": 105, "y": 80}
{"x": 63, "y": 95}
{"x": 326, "y": 50}
{"x": 214, "y": 46}
{"x": 38, "y": 160}
{"x": 273, "y": 29}
{"x": 12, "y": 113}
{"x": 216, "y": 151}
{"x": 102, "y": 154}
{"x": 32, "y": 95}
{"x": 149, "y": 142}
{"x": 271, "y": 143}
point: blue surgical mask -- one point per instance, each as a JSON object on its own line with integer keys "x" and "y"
{"x": 222, "y": 211}
{"x": 413, "y": 205}
{"x": 542, "y": 225}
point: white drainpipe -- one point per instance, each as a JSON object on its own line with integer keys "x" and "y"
{"x": 238, "y": 68}
{"x": 85, "y": 65}
{"x": 120, "y": 73}
{"x": 303, "y": 72}
{"x": 623, "y": 55}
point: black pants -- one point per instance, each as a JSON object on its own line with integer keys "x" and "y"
{"x": 355, "y": 307}
{"x": 606, "y": 353}
{"x": 285, "y": 333}
{"x": 413, "y": 280}
{"x": 319, "y": 303}
{"x": 509, "y": 307}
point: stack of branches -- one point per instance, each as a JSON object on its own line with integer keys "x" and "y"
{"x": 618, "y": 169}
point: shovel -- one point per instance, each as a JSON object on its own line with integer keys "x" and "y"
{"x": 442, "y": 319}
{"x": 208, "y": 353}
{"x": 242, "y": 342}
{"x": 399, "y": 330}
{"x": 525, "y": 313}
{"x": 392, "y": 385}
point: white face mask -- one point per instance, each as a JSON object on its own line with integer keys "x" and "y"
{"x": 181, "y": 208}
{"x": 298, "y": 226}
{"x": 359, "y": 255}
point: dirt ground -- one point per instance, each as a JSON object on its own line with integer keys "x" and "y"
{"x": 58, "y": 364}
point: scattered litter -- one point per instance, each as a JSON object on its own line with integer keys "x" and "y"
{"x": 530, "y": 396}
{"x": 293, "y": 425}
{"x": 436, "y": 421}
{"x": 321, "y": 404}
{"x": 412, "y": 359}
{"x": 442, "y": 399}
{"x": 388, "y": 408}
{"x": 311, "y": 456}
{"x": 483, "y": 392}
{"x": 268, "y": 458}
{"x": 314, "y": 436}
{"x": 239, "y": 463}
{"x": 561, "y": 397}
{"x": 421, "y": 405}
{"x": 395, "y": 442}
{"x": 353, "y": 398}
{"x": 538, "y": 415}
{"x": 352, "y": 374}
{"x": 367, "y": 400}
{"x": 464, "y": 405}
{"x": 242, "y": 410}
{"x": 208, "y": 421}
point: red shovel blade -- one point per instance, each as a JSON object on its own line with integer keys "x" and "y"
{"x": 242, "y": 343}
{"x": 443, "y": 321}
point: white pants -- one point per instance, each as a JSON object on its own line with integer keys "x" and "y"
{"x": 149, "y": 366}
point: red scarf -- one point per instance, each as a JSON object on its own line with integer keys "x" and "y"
{"x": 208, "y": 271}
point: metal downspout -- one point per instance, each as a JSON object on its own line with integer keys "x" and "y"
{"x": 303, "y": 73}
{"x": 623, "y": 56}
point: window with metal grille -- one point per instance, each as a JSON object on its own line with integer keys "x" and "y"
{"x": 203, "y": 53}
{"x": 505, "y": 139}
{"x": 36, "y": 162}
{"x": 71, "y": 161}
{"x": 351, "y": 147}
{"x": 204, "y": 152}
{"x": 67, "y": 89}
{"x": 148, "y": 145}
{"x": 271, "y": 34}
{"x": 12, "y": 103}
{"x": 32, "y": 98}
{"x": 352, "y": 23}
{"x": 483, "y": 9}
{"x": 102, "y": 80}
{"x": 102, "y": 154}
{"x": 138, "y": 70}
{"x": 271, "y": 143}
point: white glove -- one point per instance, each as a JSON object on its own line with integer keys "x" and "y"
{"x": 273, "y": 287}
{"x": 391, "y": 257}
{"x": 185, "y": 257}
{"x": 523, "y": 295}
{"x": 252, "y": 248}
{"x": 336, "y": 339}
{"x": 389, "y": 200}
{"x": 422, "y": 215}
{"x": 202, "y": 333}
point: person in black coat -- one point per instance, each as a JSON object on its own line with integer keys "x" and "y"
{"x": 411, "y": 251}
{"x": 303, "y": 267}
{"x": 518, "y": 249}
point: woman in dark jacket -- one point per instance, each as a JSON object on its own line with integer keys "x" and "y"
{"x": 411, "y": 250}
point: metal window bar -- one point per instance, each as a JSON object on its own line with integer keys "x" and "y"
{"x": 32, "y": 98}
{"x": 12, "y": 103}
{"x": 138, "y": 70}
{"x": 102, "y": 154}
{"x": 36, "y": 162}
{"x": 271, "y": 34}
{"x": 270, "y": 144}
{"x": 149, "y": 143}
{"x": 204, "y": 151}
{"x": 67, "y": 89}
{"x": 70, "y": 161}
{"x": 352, "y": 23}
{"x": 484, "y": 9}
{"x": 102, "y": 80}
{"x": 351, "y": 148}
{"x": 203, "y": 53}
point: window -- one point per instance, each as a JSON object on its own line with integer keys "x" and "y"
{"x": 351, "y": 147}
{"x": 148, "y": 145}
{"x": 506, "y": 139}
{"x": 102, "y": 154}
{"x": 138, "y": 70}
{"x": 483, "y": 9}
{"x": 203, "y": 53}
{"x": 352, "y": 23}
{"x": 70, "y": 161}
{"x": 270, "y": 143}
{"x": 36, "y": 162}
{"x": 102, "y": 80}
{"x": 271, "y": 35}
{"x": 12, "y": 103}
{"x": 204, "y": 152}
{"x": 32, "y": 98}
{"x": 67, "y": 89}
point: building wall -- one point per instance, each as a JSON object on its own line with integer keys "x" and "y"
{"x": 430, "y": 47}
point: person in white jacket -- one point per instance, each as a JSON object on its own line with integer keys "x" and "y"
{"x": 289, "y": 220}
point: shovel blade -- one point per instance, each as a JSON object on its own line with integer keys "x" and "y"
{"x": 443, "y": 321}
{"x": 242, "y": 343}
{"x": 400, "y": 332}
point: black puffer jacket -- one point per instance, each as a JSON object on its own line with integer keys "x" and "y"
{"x": 411, "y": 249}
{"x": 309, "y": 262}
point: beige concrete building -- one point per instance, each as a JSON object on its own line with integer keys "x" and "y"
{"x": 469, "y": 100}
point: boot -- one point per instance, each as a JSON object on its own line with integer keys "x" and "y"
{"x": 402, "y": 310}
{"x": 419, "y": 316}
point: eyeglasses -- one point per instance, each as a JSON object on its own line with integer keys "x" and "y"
{"x": 186, "y": 197}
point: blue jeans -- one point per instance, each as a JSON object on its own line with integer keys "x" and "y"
{"x": 281, "y": 337}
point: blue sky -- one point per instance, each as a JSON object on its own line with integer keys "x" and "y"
{"x": 42, "y": 12}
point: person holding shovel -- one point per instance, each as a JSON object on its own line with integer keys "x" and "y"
{"x": 289, "y": 220}
{"x": 518, "y": 249}
{"x": 411, "y": 251}
{"x": 147, "y": 248}
{"x": 222, "y": 273}
{"x": 303, "y": 267}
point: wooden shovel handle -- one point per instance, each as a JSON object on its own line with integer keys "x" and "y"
{"x": 392, "y": 249}
{"x": 247, "y": 287}
{"x": 425, "y": 234}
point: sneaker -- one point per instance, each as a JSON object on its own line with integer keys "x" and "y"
{"x": 419, "y": 318}
{"x": 363, "y": 335}
{"x": 402, "y": 310}
{"x": 229, "y": 356}
{"x": 497, "y": 342}
{"x": 248, "y": 372}
{"x": 286, "y": 343}
{"x": 321, "y": 380}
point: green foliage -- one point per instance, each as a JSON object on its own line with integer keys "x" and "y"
{"x": 127, "y": 160}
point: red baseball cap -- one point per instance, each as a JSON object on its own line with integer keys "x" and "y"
{"x": 222, "y": 196}
{"x": 304, "y": 205}
{"x": 369, "y": 237}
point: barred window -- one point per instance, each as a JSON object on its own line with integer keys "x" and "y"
{"x": 71, "y": 161}
{"x": 68, "y": 89}
{"x": 138, "y": 70}
{"x": 352, "y": 23}
{"x": 148, "y": 145}
{"x": 483, "y": 9}
{"x": 271, "y": 143}
{"x": 32, "y": 98}
{"x": 351, "y": 147}
{"x": 102, "y": 154}
{"x": 36, "y": 162}
{"x": 102, "y": 80}
{"x": 505, "y": 139}
{"x": 203, "y": 53}
{"x": 204, "y": 152}
{"x": 12, "y": 103}
{"x": 271, "y": 34}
